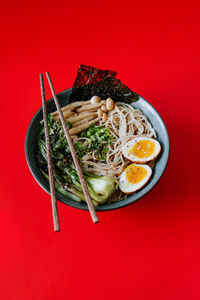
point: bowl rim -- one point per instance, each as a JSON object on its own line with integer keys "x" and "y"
{"x": 104, "y": 207}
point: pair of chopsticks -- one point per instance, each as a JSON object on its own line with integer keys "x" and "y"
{"x": 73, "y": 153}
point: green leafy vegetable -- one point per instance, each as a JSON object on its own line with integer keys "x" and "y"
{"x": 101, "y": 188}
{"x": 67, "y": 182}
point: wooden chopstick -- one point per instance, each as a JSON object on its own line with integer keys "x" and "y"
{"x": 73, "y": 152}
{"x": 50, "y": 166}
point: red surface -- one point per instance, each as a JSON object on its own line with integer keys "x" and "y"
{"x": 150, "y": 249}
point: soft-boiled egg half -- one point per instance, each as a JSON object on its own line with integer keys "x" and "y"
{"x": 134, "y": 178}
{"x": 141, "y": 149}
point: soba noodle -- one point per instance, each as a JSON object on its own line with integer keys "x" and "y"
{"x": 124, "y": 123}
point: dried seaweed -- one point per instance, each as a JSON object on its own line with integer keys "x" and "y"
{"x": 91, "y": 81}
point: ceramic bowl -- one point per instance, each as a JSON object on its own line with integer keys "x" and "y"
{"x": 158, "y": 170}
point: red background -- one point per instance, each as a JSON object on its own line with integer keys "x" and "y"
{"x": 150, "y": 249}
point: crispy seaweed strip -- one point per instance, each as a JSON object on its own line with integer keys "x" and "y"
{"x": 91, "y": 81}
{"x": 89, "y": 75}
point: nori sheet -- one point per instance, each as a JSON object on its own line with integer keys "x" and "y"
{"x": 91, "y": 81}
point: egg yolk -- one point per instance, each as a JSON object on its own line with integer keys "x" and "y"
{"x": 135, "y": 174}
{"x": 143, "y": 149}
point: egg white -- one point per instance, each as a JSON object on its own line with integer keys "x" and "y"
{"x": 130, "y": 144}
{"x": 128, "y": 187}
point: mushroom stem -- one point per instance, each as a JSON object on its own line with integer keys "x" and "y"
{"x": 71, "y": 106}
{"x": 81, "y": 116}
{"x": 89, "y": 107}
{"x": 66, "y": 114}
{"x": 83, "y": 121}
{"x": 78, "y": 129}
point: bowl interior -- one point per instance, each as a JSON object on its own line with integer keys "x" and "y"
{"x": 144, "y": 106}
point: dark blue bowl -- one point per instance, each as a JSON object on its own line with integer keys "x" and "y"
{"x": 161, "y": 163}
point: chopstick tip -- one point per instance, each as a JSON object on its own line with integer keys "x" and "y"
{"x": 56, "y": 225}
{"x": 95, "y": 220}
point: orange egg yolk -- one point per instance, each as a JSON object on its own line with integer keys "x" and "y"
{"x": 135, "y": 174}
{"x": 143, "y": 149}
